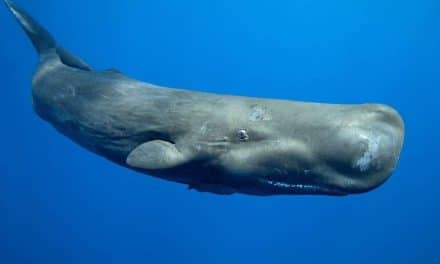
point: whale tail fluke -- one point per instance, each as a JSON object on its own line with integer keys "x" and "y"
{"x": 42, "y": 40}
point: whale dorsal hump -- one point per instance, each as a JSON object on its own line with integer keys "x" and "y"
{"x": 156, "y": 155}
{"x": 71, "y": 60}
{"x": 114, "y": 70}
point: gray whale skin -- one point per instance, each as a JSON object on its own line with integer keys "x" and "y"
{"x": 214, "y": 143}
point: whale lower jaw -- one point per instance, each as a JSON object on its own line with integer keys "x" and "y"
{"x": 276, "y": 187}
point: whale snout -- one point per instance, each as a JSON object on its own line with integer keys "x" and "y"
{"x": 374, "y": 140}
{"x": 383, "y": 133}
{"x": 384, "y": 115}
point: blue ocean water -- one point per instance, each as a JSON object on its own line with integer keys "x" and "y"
{"x": 62, "y": 204}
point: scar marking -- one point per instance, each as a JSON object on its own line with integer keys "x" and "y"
{"x": 369, "y": 155}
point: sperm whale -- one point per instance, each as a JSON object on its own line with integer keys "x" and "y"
{"x": 222, "y": 144}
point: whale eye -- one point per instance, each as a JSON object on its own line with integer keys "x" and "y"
{"x": 243, "y": 135}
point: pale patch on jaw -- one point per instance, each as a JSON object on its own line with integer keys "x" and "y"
{"x": 364, "y": 162}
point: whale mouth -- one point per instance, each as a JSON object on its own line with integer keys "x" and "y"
{"x": 297, "y": 188}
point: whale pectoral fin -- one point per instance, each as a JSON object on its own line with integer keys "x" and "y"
{"x": 155, "y": 155}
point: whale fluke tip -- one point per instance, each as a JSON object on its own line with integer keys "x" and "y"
{"x": 40, "y": 38}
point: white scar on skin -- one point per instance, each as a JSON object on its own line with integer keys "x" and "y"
{"x": 369, "y": 155}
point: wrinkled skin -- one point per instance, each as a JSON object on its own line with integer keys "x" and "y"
{"x": 217, "y": 143}
{"x": 230, "y": 143}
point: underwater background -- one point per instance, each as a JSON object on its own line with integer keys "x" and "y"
{"x": 62, "y": 204}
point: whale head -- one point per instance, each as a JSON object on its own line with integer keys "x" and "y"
{"x": 280, "y": 147}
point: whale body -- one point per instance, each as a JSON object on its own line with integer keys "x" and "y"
{"x": 214, "y": 143}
